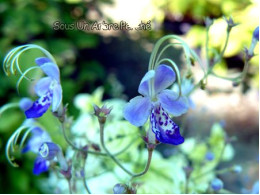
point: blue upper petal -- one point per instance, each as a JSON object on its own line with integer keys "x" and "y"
{"x": 144, "y": 85}
{"x": 138, "y": 110}
{"x": 42, "y": 60}
{"x": 40, "y": 165}
{"x": 166, "y": 131}
{"x": 39, "y": 107}
{"x": 51, "y": 70}
{"x": 164, "y": 77}
{"x": 42, "y": 86}
{"x": 171, "y": 104}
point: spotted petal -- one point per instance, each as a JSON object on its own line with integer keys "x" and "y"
{"x": 144, "y": 85}
{"x": 40, "y": 165}
{"x": 170, "y": 102}
{"x": 138, "y": 110}
{"x": 164, "y": 77}
{"x": 39, "y": 107}
{"x": 42, "y": 86}
{"x": 165, "y": 130}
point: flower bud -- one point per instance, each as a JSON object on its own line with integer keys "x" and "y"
{"x": 237, "y": 169}
{"x": 256, "y": 33}
{"x": 230, "y": 23}
{"x": 102, "y": 113}
{"x": 216, "y": 184}
{"x": 209, "y": 156}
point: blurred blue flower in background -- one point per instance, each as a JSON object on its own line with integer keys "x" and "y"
{"x": 209, "y": 156}
{"x": 217, "y": 184}
{"x": 157, "y": 102}
{"x": 48, "y": 89}
{"x": 256, "y": 33}
{"x": 255, "y": 188}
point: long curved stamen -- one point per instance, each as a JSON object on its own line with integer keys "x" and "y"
{"x": 8, "y": 106}
{"x": 190, "y": 54}
{"x": 10, "y": 146}
{"x": 11, "y": 61}
{"x": 24, "y": 76}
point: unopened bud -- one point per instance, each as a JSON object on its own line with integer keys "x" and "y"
{"x": 102, "y": 113}
{"x": 216, "y": 184}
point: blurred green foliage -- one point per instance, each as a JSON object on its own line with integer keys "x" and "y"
{"x": 31, "y": 21}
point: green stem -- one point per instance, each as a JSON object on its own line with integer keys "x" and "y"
{"x": 102, "y": 140}
{"x": 207, "y": 47}
{"x": 70, "y": 187}
{"x": 92, "y": 152}
{"x": 8, "y": 106}
{"x": 75, "y": 147}
{"x": 216, "y": 163}
{"x": 84, "y": 179}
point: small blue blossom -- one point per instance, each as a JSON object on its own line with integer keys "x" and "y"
{"x": 34, "y": 143}
{"x": 157, "y": 102}
{"x": 256, "y": 33}
{"x": 237, "y": 169}
{"x": 48, "y": 89}
{"x": 209, "y": 156}
{"x": 216, "y": 184}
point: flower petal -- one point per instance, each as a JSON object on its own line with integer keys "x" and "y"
{"x": 42, "y": 86}
{"x": 38, "y": 137}
{"x": 138, "y": 110}
{"x": 171, "y": 104}
{"x": 51, "y": 70}
{"x": 164, "y": 77}
{"x": 186, "y": 87}
{"x": 144, "y": 85}
{"x": 40, "y": 165}
{"x": 39, "y": 107}
{"x": 25, "y": 103}
{"x": 165, "y": 130}
{"x": 57, "y": 97}
{"x": 49, "y": 150}
{"x": 42, "y": 60}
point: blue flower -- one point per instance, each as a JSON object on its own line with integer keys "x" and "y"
{"x": 256, "y": 33}
{"x": 209, "y": 156}
{"x": 34, "y": 143}
{"x": 48, "y": 89}
{"x": 157, "y": 102}
{"x": 217, "y": 184}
